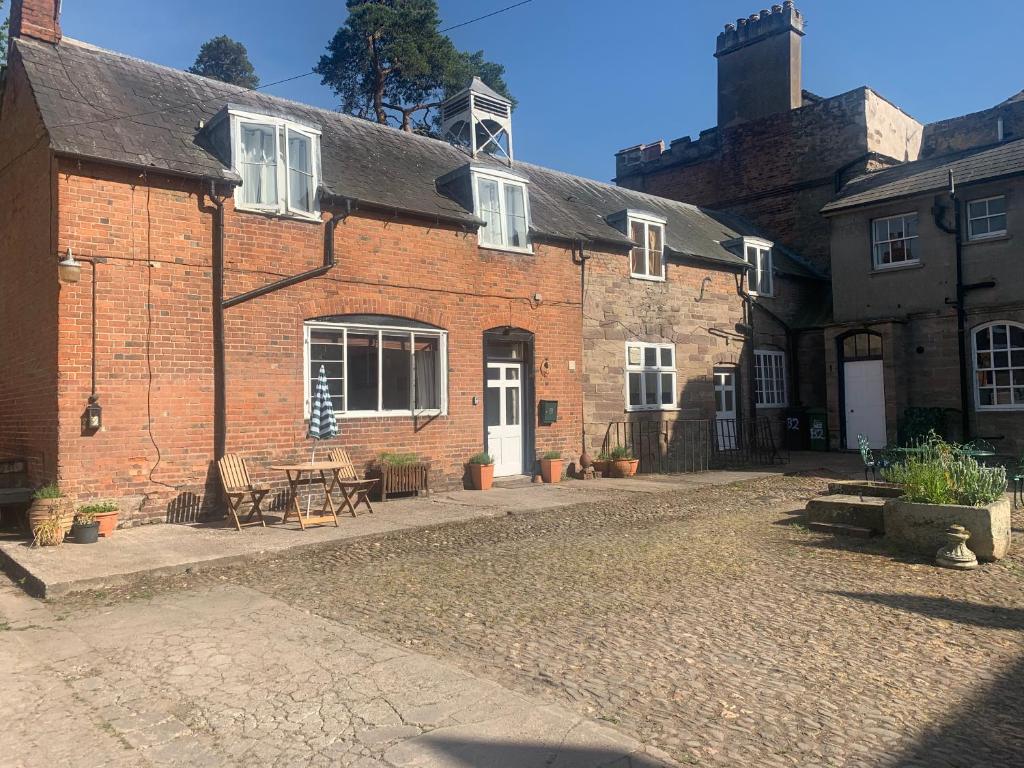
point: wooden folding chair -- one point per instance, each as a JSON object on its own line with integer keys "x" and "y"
{"x": 234, "y": 479}
{"x": 355, "y": 490}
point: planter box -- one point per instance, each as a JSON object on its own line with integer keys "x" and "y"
{"x": 866, "y": 488}
{"x": 921, "y": 527}
{"x": 482, "y": 476}
{"x": 404, "y": 478}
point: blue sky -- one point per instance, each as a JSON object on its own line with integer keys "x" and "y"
{"x": 594, "y": 76}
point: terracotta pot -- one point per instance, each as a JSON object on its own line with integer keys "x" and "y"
{"x": 41, "y": 510}
{"x": 551, "y": 470}
{"x": 625, "y": 467}
{"x": 108, "y": 522}
{"x": 601, "y": 467}
{"x": 482, "y": 476}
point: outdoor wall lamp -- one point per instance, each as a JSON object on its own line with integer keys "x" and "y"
{"x": 69, "y": 270}
{"x": 93, "y": 418}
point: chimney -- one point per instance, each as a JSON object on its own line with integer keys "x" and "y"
{"x": 39, "y": 19}
{"x": 759, "y": 65}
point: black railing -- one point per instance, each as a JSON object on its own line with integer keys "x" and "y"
{"x": 694, "y": 445}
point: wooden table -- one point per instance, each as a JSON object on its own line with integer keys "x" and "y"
{"x": 324, "y": 473}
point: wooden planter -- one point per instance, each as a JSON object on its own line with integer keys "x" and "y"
{"x": 551, "y": 470}
{"x": 482, "y": 476}
{"x": 625, "y": 467}
{"x": 405, "y": 478}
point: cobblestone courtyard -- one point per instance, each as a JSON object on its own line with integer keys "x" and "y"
{"x": 709, "y": 624}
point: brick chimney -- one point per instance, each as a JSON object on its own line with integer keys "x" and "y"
{"x": 39, "y": 19}
{"x": 759, "y": 65}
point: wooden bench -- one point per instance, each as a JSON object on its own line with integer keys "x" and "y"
{"x": 238, "y": 488}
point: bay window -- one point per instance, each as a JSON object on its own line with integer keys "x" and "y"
{"x": 650, "y": 377}
{"x": 378, "y": 370}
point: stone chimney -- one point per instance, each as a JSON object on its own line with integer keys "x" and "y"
{"x": 759, "y": 65}
{"x": 39, "y": 19}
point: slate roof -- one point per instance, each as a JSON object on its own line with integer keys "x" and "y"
{"x": 932, "y": 175}
{"x": 79, "y": 87}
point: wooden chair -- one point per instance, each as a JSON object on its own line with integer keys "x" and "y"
{"x": 355, "y": 490}
{"x": 234, "y": 479}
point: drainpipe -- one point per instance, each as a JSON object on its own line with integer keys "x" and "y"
{"x": 219, "y": 385}
{"x": 748, "y": 303}
{"x": 582, "y": 259}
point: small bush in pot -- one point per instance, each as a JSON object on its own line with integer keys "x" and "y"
{"x": 623, "y": 463}
{"x": 551, "y": 467}
{"x": 86, "y": 528}
{"x": 105, "y": 514}
{"x": 603, "y": 463}
{"x": 481, "y": 470}
{"x": 50, "y": 508}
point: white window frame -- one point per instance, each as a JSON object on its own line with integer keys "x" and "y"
{"x": 647, "y": 222}
{"x": 344, "y": 413}
{"x": 1010, "y": 349}
{"x": 503, "y": 180}
{"x": 641, "y": 368}
{"x": 971, "y": 219}
{"x": 876, "y": 263}
{"x": 281, "y": 128}
{"x": 770, "y": 361}
{"x": 756, "y": 269}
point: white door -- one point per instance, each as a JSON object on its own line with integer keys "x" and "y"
{"x": 503, "y": 412}
{"x": 865, "y": 402}
{"x": 725, "y": 409}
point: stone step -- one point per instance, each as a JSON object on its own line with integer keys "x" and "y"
{"x": 865, "y": 488}
{"x": 840, "y": 529}
{"x": 859, "y": 511}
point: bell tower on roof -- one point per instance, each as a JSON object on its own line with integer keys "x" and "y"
{"x": 479, "y": 119}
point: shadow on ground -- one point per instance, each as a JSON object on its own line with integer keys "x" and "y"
{"x": 988, "y": 729}
{"x": 474, "y": 753}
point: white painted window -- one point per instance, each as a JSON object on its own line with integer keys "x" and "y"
{"x": 378, "y": 371}
{"x": 650, "y": 377}
{"x": 758, "y": 254}
{"x": 894, "y": 241}
{"x": 986, "y": 218}
{"x": 279, "y": 162}
{"x": 503, "y": 203}
{"x": 647, "y": 259}
{"x": 770, "y": 378}
{"x": 999, "y": 366}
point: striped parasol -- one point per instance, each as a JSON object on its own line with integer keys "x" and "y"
{"x": 322, "y": 423}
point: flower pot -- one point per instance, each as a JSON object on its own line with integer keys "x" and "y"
{"x": 482, "y": 476}
{"x": 88, "y": 533}
{"x": 41, "y": 510}
{"x": 602, "y": 467}
{"x": 108, "y": 522}
{"x": 625, "y": 467}
{"x": 551, "y": 470}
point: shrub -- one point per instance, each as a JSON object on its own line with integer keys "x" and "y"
{"x": 604, "y": 456}
{"x": 85, "y": 516}
{"x": 621, "y": 453}
{"x": 49, "y": 491}
{"x": 483, "y": 458}
{"x": 97, "y": 508}
{"x": 399, "y": 459}
{"x": 940, "y": 474}
{"x": 552, "y": 455}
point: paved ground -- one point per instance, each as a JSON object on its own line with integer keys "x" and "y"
{"x": 706, "y": 622}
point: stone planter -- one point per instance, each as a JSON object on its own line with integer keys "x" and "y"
{"x": 921, "y": 528}
{"x": 551, "y": 470}
{"x": 482, "y": 476}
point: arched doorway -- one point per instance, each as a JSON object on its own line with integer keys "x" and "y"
{"x": 862, "y": 388}
{"x": 508, "y": 400}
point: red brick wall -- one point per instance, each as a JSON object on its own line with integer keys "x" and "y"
{"x": 155, "y": 365}
{"x": 28, "y": 285}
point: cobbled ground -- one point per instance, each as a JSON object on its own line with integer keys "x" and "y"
{"x": 708, "y": 623}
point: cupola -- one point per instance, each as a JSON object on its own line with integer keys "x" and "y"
{"x": 479, "y": 119}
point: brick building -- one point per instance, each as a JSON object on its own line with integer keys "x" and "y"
{"x": 186, "y": 255}
{"x": 778, "y": 156}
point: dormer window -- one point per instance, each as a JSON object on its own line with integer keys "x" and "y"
{"x": 647, "y": 259}
{"x": 758, "y": 254}
{"x": 501, "y": 200}
{"x": 279, "y": 163}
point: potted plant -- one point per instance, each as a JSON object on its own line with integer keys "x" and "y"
{"x": 551, "y": 467}
{"x": 623, "y": 463}
{"x": 86, "y": 528}
{"x": 105, "y": 513}
{"x": 403, "y": 473}
{"x": 50, "y": 508}
{"x": 481, "y": 471}
{"x": 603, "y": 463}
{"x": 50, "y": 532}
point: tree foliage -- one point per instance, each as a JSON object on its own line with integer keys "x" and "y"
{"x": 390, "y": 63}
{"x": 222, "y": 58}
{"x": 3, "y": 37}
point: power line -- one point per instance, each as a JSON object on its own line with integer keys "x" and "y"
{"x": 485, "y": 16}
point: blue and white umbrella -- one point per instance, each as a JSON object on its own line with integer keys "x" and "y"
{"x": 322, "y": 423}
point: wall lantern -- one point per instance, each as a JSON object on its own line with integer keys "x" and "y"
{"x": 93, "y": 414}
{"x": 68, "y": 269}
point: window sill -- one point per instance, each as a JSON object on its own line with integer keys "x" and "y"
{"x": 385, "y": 414}
{"x": 898, "y": 268}
{"x": 646, "y": 278}
{"x": 999, "y": 408}
{"x": 506, "y": 249}
{"x": 651, "y": 408}
{"x": 1005, "y": 236}
{"x": 772, "y": 406}
{"x": 313, "y": 218}
{"x": 755, "y": 295}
